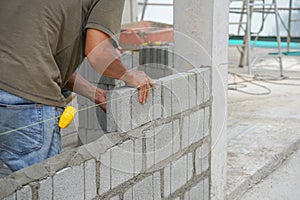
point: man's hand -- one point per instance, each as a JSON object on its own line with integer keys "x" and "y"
{"x": 105, "y": 59}
{"x": 141, "y": 81}
{"x": 100, "y": 98}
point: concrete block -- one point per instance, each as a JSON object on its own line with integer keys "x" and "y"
{"x": 25, "y": 193}
{"x": 157, "y": 102}
{"x": 198, "y": 161}
{"x": 106, "y": 81}
{"x": 92, "y": 75}
{"x": 135, "y": 59}
{"x": 90, "y": 188}
{"x": 11, "y": 197}
{"x": 150, "y": 149}
{"x": 164, "y": 56}
{"x": 207, "y": 123}
{"x": 138, "y": 156}
{"x": 110, "y": 82}
{"x": 115, "y": 198}
{"x": 124, "y": 109}
{"x": 178, "y": 175}
{"x": 167, "y": 180}
{"x": 156, "y": 186}
{"x": 207, "y": 84}
{"x": 196, "y": 126}
{"x": 205, "y": 152}
{"x": 143, "y": 68}
{"x": 155, "y": 72}
{"x": 163, "y": 142}
{"x": 122, "y": 161}
{"x": 185, "y": 131}
{"x": 111, "y": 111}
{"x": 128, "y": 195}
{"x": 81, "y": 100}
{"x": 199, "y": 85}
{"x": 69, "y": 183}
{"x": 83, "y": 116}
{"x": 102, "y": 86}
{"x": 143, "y": 189}
{"x": 197, "y": 191}
{"x": 178, "y": 198}
{"x": 180, "y": 93}
{"x": 82, "y": 69}
{"x": 91, "y": 118}
{"x": 45, "y": 190}
{"x": 119, "y": 109}
{"x": 171, "y": 55}
{"x": 206, "y": 195}
{"x": 192, "y": 90}
{"x": 82, "y": 136}
{"x": 126, "y": 59}
{"x": 190, "y": 166}
{"x": 187, "y": 195}
{"x": 166, "y": 96}
{"x": 141, "y": 113}
{"x": 176, "y": 136}
{"x": 105, "y": 172}
{"x": 101, "y": 119}
{"x": 93, "y": 135}
{"x": 202, "y": 158}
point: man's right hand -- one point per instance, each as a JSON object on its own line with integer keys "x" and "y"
{"x": 141, "y": 81}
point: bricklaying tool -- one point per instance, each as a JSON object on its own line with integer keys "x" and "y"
{"x": 67, "y": 116}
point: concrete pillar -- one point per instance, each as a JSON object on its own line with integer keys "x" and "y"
{"x": 201, "y": 38}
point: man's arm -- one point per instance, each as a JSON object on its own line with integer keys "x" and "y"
{"x": 81, "y": 86}
{"x": 105, "y": 60}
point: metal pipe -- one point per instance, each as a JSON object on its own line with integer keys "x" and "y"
{"x": 156, "y": 4}
{"x": 289, "y": 27}
{"x": 249, "y": 37}
{"x": 144, "y": 9}
{"x": 278, "y": 38}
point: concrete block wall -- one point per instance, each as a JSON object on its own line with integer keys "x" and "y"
{"x": 163, "y": 155}
{"x": 93, "y": 122}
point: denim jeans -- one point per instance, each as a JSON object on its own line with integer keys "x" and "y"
{"x": 29, "y": 132}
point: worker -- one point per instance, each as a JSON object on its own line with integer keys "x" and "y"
{"x": 42, "y": 43}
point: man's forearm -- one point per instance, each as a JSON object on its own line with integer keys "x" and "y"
{"x": 84, "y": 88}
{"x": 80, "y": 86}
{"x": 104, "y": 58}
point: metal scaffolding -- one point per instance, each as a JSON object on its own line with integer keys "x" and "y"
{"x": 247, "y": 9}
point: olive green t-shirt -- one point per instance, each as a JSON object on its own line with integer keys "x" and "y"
{"x": 42, "y": 43}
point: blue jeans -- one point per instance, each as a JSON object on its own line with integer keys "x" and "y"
{"x": 29, "y": 132}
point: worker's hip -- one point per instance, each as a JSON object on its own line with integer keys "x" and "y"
{"x": 29, "y": 132}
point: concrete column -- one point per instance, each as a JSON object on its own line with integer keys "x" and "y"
{"x": 201, "y": 38}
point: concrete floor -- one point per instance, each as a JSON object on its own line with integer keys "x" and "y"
{"x": 263, "y": 130}
{"x": 284, "y": 183}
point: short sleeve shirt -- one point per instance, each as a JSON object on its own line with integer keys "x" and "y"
{"x": 42, "y": 43}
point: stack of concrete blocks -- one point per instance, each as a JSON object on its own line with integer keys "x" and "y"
{"x": 157, "y": 60}
{"x": 163, "y": 151}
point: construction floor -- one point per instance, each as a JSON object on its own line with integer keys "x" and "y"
{"x": 263, "y": 129}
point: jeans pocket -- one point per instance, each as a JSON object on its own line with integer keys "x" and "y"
{"x": 21, "y": 128}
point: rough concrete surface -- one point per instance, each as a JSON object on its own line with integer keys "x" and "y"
{"x": 282, "y": 184}
{"x": 263, "y": 130}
